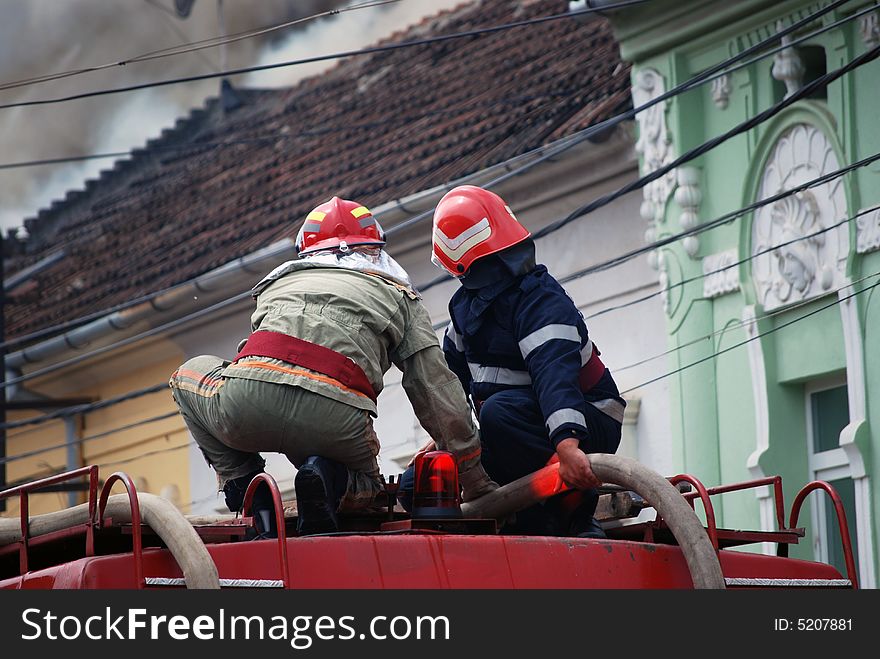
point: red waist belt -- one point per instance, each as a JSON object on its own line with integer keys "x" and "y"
{"x": 308, "y": 355}
{"x": 592, "y": 371}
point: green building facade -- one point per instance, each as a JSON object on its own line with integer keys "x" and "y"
{"x": 780, "y": 352}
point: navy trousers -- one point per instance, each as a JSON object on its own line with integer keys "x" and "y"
{"x": 515, "y": 443}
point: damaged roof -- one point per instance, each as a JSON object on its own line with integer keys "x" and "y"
{"x": 223, "y": 183}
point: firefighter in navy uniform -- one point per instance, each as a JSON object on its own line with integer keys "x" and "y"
{"x": 521, "y": 350}
{"x": 325, "y": 330}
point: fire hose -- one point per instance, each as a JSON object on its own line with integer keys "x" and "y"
{"x": 702, "y": 561}
{"x": 160, "y": 515}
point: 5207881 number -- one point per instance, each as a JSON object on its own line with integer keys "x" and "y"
{"x": 812, "y": 624}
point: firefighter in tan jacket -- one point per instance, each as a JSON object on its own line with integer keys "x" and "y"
{"x": 326, "y": 329}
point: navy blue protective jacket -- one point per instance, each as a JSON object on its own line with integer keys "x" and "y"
{"x": 527, "y": 332}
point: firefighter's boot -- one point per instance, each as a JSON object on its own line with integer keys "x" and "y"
{"x": 262, "y": 509}
{"x": 319, "y": 484}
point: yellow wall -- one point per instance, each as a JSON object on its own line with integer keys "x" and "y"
{"x": 153, "y": 454}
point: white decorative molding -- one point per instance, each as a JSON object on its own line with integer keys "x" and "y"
{"x": 807, "y": 263}
{"x": 868, "y": 231}
{"x": 787, "y": 66}
{"x": 689, "y": 197}
{"x": 720, "y": 274}
{"x": 758, "y": 371}
{"x": 721, "y": 89}
{"x": 869, "y": 28}
{"x": 663, "y": 268}
{"x": 858, "y": 411}
{"x": 654, "y": 143}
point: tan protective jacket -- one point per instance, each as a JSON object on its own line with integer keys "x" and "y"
{"x": 376, "y": 323}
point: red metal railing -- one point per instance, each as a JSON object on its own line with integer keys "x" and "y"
{"x": 246, "y": 512}
{"x": 138, "y": 547}
{"x": 841, "y": 522}
{"x": 706, "y": 492}
{"x": 703, "y": 493}
{"x": 24, "y": 492}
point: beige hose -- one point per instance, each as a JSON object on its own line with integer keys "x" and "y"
{"x": 698, "y": 552}
{"x": 160, "y": 515}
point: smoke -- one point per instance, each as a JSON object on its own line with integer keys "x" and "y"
{"x": 347, "y": 31}
{"x": 46, "y": 36}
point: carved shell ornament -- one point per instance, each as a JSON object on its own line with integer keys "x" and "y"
{"x": 804, "y": 265}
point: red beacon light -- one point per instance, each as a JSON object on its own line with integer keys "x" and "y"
{"x": 436, "y": 493}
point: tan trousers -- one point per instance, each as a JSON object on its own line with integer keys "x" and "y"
{"x": 233, "y": 419}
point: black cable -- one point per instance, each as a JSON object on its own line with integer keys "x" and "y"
{"x": 688, "y": 280}
{"x": 709, "y": 74}
{"x": 184, "y": 48}
{"x": 724, "y": 219}
{"x": 86, "y": 407}
{"x": 834, "y": 303}
{"x": 703, "y": 275}
{"x": 318, "y": 58}
{"x": 740, "y": 325}
{"x": 757, "y": 336}
{"x": 29, "y": 454}
{"x": 805, "y": 91}
{"x": 274, "y": 137}
{"x": 721, "y": 69}
{"x": 131, "y": 339}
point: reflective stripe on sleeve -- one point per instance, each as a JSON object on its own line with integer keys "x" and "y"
{"x": 498, "y": 375}
{"x": 548, "y": 333}
{"x": 611, "y": 407}
{"x": 586, "y": 353}
{"x": 455, "y": 337}
{"x": 563, "y": 416}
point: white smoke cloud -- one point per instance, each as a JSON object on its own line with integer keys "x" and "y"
{"x": 347, "y": 31}
{"x": 45, "y": 36}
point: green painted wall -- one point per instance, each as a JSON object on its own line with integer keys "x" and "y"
{"x": 715, "y": 413}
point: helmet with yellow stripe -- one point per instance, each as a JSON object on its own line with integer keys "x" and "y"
{"x": 338, "y": 224}
{"x": 469, "y": 224}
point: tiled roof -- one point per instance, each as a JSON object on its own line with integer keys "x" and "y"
{"x": 373, "y": 128}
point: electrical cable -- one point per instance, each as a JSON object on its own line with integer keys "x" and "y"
{"x": 756, "y": 337}
{"x": 716, "y": 71}
{"x": 184, "y": 48}
{"x": 85, "y": 407}
{"x": 78, "y": 442}
{"x": 277, "y": 136}
{"x": 691, "y": 154}
{"x": 132, "y": 339}
{"x": 825, "y": 82}
{"x": 709, "y": 74}
{"x": 717, "y": 353}
{"x": 735, "y": 264}
{"x": 318, "y": 58}
{"x": 740, "y": 325}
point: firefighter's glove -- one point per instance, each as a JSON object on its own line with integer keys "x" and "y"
{"x": 475, "y": 483}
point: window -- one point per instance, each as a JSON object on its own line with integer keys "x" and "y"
{"x": 827, "y": 416}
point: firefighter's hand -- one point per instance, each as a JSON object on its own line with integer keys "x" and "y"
{"x": 430, "y": 446}
{"x": 574, "y": 465}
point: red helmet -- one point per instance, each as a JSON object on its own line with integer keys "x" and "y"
{"x": 338, "y": 224}
{"x": 470, "y": 223}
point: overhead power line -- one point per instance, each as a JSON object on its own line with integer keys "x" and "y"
{"x": 703, "y": 275}
{"x": 722, "y": 68}
{"x": 56, "y": 415}
{"x": 725, "y": 67}
{"x": 190, "y": 47}
{"x": 700, "y": 150}
{"x": 702, "y": 360}
{"x": 316, "y": 131}
{"x": 318, "y": 58}
{"x": 760, "y": 335}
